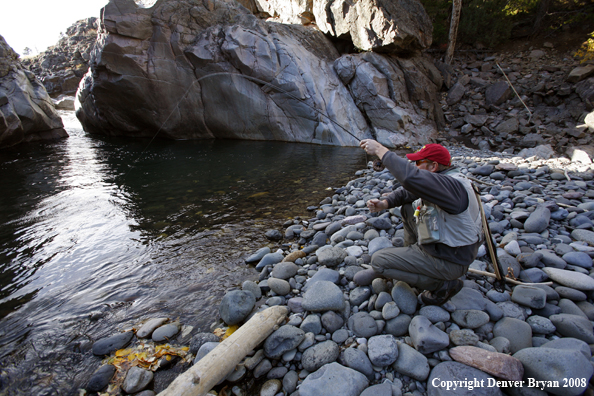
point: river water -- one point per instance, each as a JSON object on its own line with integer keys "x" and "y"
{"x": 97, "y": 234}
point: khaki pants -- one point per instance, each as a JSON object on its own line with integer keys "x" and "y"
{"x": 411, "y": 264}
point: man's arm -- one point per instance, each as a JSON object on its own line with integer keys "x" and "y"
{"x": 444, "y": 191}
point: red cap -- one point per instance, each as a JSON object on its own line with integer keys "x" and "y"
{"x": 434, "y": 152}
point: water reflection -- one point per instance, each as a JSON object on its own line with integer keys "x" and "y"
{"x": 110, "y": 229}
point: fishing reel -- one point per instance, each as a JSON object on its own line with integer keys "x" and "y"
{"x": 378, "y": 165}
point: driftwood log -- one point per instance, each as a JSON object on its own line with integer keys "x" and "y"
{"x": 215, "y": 366}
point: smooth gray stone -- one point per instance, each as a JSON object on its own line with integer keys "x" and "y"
{"x": 320, "y": 239}
{"x": 377, "y": 244}
{"x": 100, "y": 378}
{"x": 390, "y": 311}
{"x": 252, "y": 287}
{"x": 284, "y": 270}
{"x": 295, "y": 304}
{"x": 331, "y": 256}
{"x": 571, "y": 294}
{"x": 434, "y": 313}
{"x": 333, "y": 228}
{"x": 351, "y": 270}
{"x": 571, "y": 279}
{"x": 547, "y": 311}
{"x": 495, "y": 296}
{"x": 468, "y": 298}
{"x": 529, "y": 296}
{"x": 464, "y": 337}
{"x": 340, "y": 336}
{"x": 147, "y": 329}
{"x": 359, "y": 294}
{"x": 550, "y": 259}
{"x": 332, "y": 321}
{"x": 106, "y": 346}
{"x": 483, "y": 170}
{"x": 137, "y": 379}
{"x": 200, "y": 339}
{"x": 580, "y": 259}
{"x": 357, "y": 360}
{"x": 279, "y": 286}
{"x": 398, "y": 326}
{"x": 276, "y": 235}
{"x": 262, "y": 368}
{"x": 382, "y": 299}
{"x": 548, "y": 364}
{"x": 379, "y": 223}
{"x": 333, "y": 380}
{"x": 371, "y": 234}
{"x": 323, "y": 296}
{"x": 258, "y": 255}
{"x": 205, "y": 349}
{"x": 311, "y": 324}
{"x": 538, "y": 220}
{"x": 166, "y": 332}
{"x": 271, "y": 387}
{"x": 382, "y": 350}
{"x": 569, "y": 307}
{"x": 236, "y": 305}
{"x": 583, "y": 235}
{"x": 290, "y": 381}
{"x": 454, "y": 371}
{"x": 471, "y": 318}
{"x": 411, "y": 363}
{"x": 571, "y": 344}
{"x": 324, "y": 274}
{"x": 533, "y": 275}
{"x": 587, "y": 308}
{"x": 405, "y": 298}
{"x": 237, "y": 374}
{"x": 574, "y": 326}
{"x": 283, "y": 340}
{"x": 516, "y": 331}
{"x": 541, "y": 325}
{"x": 501, "y": 344}
{"x": 362, "y": 324}
{"x": 269, "y": 259}
{"x": 320, "y": 354}
{"x": 512, "y": 310}
{"x": 426, "y": 337}
{"x": 384, "y": 389}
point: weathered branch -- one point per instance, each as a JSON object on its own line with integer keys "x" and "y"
{"x": 215, "y": 366}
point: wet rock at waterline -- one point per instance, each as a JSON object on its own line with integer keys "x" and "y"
{"x": 106, "y": 346}
{"x": 310, "y": 86}
{"x": 27, "y": 113}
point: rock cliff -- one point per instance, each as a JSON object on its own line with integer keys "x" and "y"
{"x": 27, "y": 112}
{"x": 188, "y": 69}
{"x": 61, "y": 67}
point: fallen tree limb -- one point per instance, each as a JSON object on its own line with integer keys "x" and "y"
{"x": 509, "y": 280}
{"x": 214, "y": 367}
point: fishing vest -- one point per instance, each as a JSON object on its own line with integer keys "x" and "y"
{"x": 435, "y": 225}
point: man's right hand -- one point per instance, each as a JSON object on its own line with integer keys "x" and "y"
{"x": 376, "y": 205}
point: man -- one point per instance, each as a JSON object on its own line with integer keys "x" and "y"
{"x": 442, "y": 223}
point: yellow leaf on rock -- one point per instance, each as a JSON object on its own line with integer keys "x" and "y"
{"x": 123, "y": 352}
{"x": 230, "y": 330}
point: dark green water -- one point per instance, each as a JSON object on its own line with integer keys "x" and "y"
{"x": 85, "y": 233}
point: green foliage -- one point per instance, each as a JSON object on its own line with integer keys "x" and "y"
{"x": 586, "y": 51}
{"x": 484, "y": 21}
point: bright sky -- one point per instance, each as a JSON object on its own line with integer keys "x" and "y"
{"x": 38, "y": 23}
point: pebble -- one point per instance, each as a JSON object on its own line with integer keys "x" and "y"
{"x": 137, "y": 379}
{"x": 108, "y": 345}
{"x": 571, "y": 279}
{"x": 334, "y": 380}
{"x": 100, "y": 378}
{"x": 426, "y": 337}
{"x": 147, "y": 329}
{"x": 166, "y": 333}
{"x": 382, "y": 350}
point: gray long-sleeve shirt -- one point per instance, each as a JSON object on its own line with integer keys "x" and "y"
{"x": 438, "y": 188}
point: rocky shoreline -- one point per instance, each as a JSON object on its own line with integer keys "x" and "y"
{"x": 345, "y": 339}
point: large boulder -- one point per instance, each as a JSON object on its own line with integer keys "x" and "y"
{"x": 378, "y": 25}
{"x": 196, "y": 69}
{"x": 27, "y": 112}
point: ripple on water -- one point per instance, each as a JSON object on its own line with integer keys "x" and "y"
{"x": 102, "y": 228}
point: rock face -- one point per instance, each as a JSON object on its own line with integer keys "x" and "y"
{"x": 213, "y": 70}
{"x": 61, "y": 67}
{"x": 26, "y": 111}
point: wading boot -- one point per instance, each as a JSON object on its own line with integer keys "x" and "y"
{"x": 446, "y": 291}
